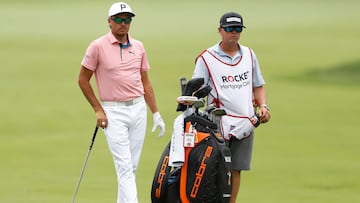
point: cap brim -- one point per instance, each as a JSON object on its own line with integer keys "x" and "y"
{"x": 233, "y": 24}
{"x": 131, "y": 14}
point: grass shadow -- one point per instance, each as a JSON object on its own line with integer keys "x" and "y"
{"x": 344, "y": 74}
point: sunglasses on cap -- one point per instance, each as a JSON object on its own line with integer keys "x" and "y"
{"x": 237, "y": 29}
{"x": 120, "y": 20}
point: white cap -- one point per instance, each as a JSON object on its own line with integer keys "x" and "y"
{"x": 120, "y": 7}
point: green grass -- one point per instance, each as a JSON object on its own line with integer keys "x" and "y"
{"x": 308, "y": 52}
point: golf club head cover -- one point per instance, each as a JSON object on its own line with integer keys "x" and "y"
{"x": 203, "y": 91}
{"x": 191, "y": 86}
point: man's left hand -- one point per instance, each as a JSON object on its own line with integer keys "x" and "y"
{"x": 158, "y": 122}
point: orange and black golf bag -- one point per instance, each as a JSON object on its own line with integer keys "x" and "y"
{"x": 205, "y": 175}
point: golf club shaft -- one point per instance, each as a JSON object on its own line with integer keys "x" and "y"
{"x": 85, "y": 163}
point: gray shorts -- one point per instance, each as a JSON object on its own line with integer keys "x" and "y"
{"x": 241, "y": 151}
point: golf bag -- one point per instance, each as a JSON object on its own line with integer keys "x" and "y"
{"x": 205, "y": 175}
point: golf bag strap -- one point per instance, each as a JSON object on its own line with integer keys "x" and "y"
{"x": 183, "y": 178}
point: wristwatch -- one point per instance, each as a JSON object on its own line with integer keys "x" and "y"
{"x": 265, "y": 106}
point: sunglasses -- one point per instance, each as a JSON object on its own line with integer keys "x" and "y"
{"x": 237, "y": 29}
{"x": 120, "y": 20}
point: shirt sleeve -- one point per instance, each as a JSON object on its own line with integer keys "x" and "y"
{"x": 90, "y": 58}
{"x": 145, "y": 66}
{"x": 258, "y": 79}
{"x": 200, "y": 70}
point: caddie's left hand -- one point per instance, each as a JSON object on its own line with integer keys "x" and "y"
{"x": 158, "y": 122}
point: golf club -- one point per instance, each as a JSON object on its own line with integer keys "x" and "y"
{"x": 198, "y": 104}
{"x": 84, "y": 166}
{"x": 182, "y": 84}
{"x": 216, "y": 115}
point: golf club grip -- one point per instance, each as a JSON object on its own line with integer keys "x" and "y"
{"x": 93, "y": 138}
{"x": 182, "y": 84}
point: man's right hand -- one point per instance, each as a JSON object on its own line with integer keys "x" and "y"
{"x": 101, "y": 119}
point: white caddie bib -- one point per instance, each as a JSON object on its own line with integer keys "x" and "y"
{"x": 233, "y": 88}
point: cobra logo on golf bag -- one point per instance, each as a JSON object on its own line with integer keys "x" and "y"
{"x": 200, "y": 173}
{"x": 159, "y": 189}
{"x": 161, "y": 176}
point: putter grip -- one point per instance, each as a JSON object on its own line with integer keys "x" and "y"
{"x": 93, "y": 138}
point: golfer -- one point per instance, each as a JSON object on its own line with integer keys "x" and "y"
{"x": 120, "y": 66}
{"x": 233, "y": 72}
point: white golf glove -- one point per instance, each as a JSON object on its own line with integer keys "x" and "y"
{"x": 158, "y": 122}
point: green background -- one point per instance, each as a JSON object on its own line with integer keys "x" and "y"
{"x": 309, "y": 55}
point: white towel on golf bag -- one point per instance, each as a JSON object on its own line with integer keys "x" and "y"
{"x": 238, "y": 127}
{"x": 177, "y": 151}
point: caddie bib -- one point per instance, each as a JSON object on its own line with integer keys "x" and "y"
{"x": 232, "y": 90}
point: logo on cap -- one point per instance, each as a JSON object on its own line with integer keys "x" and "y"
{"x": 122, "y": 6}
{"x": 233, "y": 19}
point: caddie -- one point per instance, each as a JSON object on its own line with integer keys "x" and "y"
{"x": 233, "y": 72}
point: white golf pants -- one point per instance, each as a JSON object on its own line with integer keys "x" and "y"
{"x": 125, "y": 136}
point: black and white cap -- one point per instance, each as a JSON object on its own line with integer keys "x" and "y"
{"x": 231, "y": 19}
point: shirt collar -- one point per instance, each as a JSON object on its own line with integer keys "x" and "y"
{"x": 113, "y": 40}
{"x": 220, "y": 52}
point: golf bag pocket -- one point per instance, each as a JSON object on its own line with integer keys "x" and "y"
{"x": 206, "y": 173}
{"x": 239, "y": 127}
{"x": 173, "y": 195}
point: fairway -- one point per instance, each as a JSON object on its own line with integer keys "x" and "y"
{"x": 309, "y": 55}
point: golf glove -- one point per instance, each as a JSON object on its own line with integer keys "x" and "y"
{"x": 158, "y": 122}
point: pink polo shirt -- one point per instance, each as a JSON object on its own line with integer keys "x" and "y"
{"x": 117, "y": 70}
